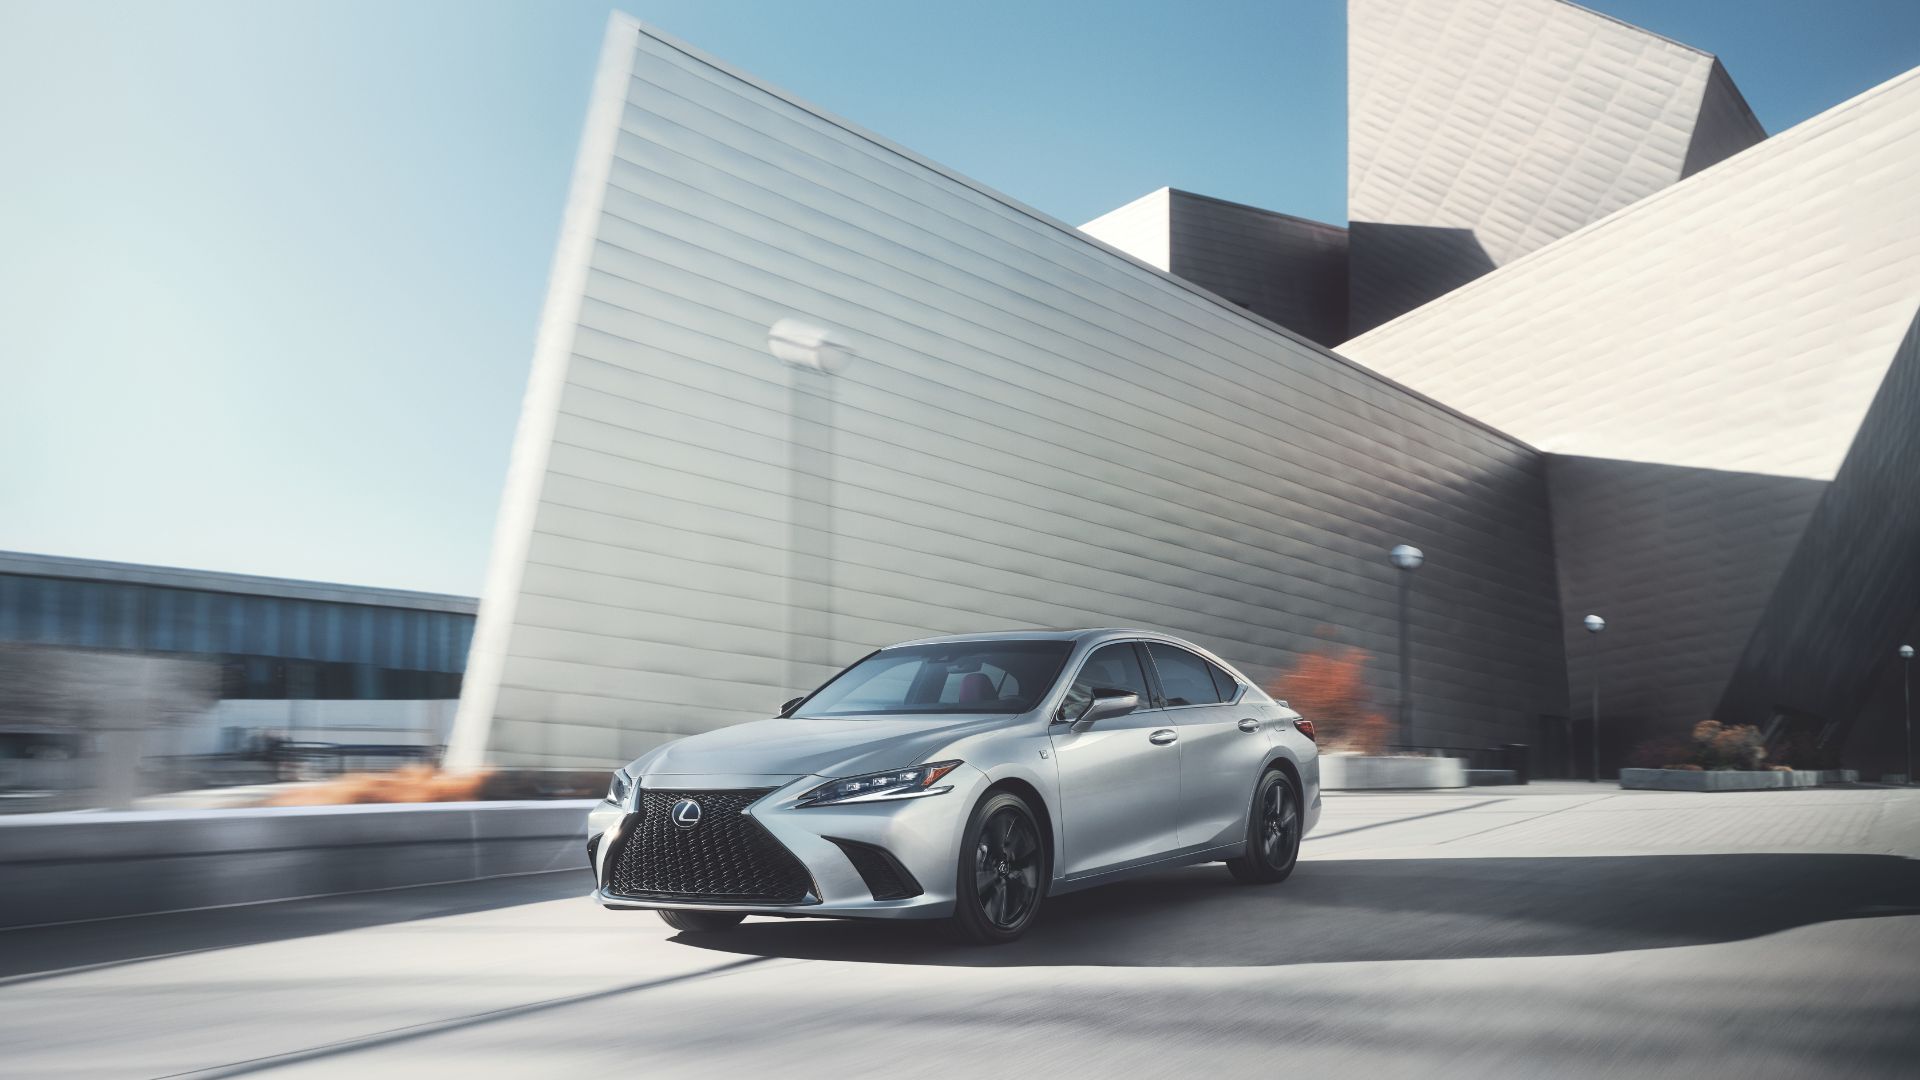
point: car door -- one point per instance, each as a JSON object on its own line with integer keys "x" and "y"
{"x": 1119, "y": 777}
{"x": 1222, "y": 745}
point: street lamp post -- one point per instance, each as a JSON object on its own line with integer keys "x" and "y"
{"x": 1407, "y": 559}
{"x": 813, "y": 355}
{"x": 1906, "y": 694}
{"x": 1594, "y": 625}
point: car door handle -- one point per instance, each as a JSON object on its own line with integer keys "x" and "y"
{"x": 1249, "y": 725}
{"x": 1164, "y": 737}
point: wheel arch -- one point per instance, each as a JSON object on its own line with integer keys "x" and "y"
{"x": 1038, "y": 804}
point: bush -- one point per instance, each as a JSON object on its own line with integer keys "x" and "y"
{"x": 1330, "y": 689}
{"x": 413, "y": 783}
{"x": 1737, "y": 746}
{"x": 1712, "y": 745}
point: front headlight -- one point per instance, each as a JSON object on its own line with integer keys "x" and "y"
{"x": 911, "y": 783}
{"x": 621, "y": 787}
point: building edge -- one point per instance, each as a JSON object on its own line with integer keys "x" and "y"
{"x": 540, "y": 406}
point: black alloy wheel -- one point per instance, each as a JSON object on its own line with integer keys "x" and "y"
{"x": 701, "y": 922}
{"x": 1002, "y": 872}
{"x": 1273, "y": 832}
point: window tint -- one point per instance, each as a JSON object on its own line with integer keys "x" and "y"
{"x": 1184, "y": 677}
{"x": 950, "y": 678}
{"x": 1227, "y": 685}
{"x": 1109, "y": 667}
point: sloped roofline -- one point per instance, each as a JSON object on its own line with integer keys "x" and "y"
{"x": 627, "y": 22}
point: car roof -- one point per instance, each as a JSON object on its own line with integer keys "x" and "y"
{"x": 1051, "y": 633}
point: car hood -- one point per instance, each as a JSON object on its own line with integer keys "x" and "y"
{"x": 816, "y": 746}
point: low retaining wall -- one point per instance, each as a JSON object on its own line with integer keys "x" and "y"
{"x": 1359, "y": 772}
{"x": 1731, "y": 780}
{"x": 68, "y": 867}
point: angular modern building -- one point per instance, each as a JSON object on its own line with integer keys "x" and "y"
{"x": 1718, "y": 373}
{"x": 799, "y": 392}
{"x": 1481, "y": 130}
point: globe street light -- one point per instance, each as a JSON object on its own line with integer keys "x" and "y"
{"x": 1594, "y": 625}
{"x": 1906, "y": 692}
{"x": 1407, "y": 558}
{"x": 813, "y": 354}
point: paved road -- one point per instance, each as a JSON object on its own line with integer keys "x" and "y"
{"x": 1556, "y": 930}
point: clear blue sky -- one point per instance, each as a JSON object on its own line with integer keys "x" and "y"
{"x": 269, "y": 272}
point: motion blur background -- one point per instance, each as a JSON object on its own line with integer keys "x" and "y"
{"x": 273, "y": 276}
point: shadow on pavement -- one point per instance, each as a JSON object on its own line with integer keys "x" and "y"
{"x": 1390, "y": 909}
{"x": 24, "y": 953}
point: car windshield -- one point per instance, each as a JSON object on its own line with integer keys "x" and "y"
{"x": 944, "y": 679}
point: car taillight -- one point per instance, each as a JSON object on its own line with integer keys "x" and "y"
{"x": 1306, "y": 728}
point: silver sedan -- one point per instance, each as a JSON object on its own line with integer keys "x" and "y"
{"x": 968, "y": 779}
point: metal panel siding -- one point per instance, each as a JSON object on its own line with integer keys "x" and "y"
{"x": 1036, "y": 432}
{"x": 1724, "y": 126}
{"x": 1852, "y": 588}
{"x": 1680, "y": 562}
{"x": 1283, "y": 268}
{"x": 1513, "y": 122}
{"x": 1742, "y": 319}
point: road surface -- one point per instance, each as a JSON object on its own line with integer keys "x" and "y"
{"x": 1553, "y": 930}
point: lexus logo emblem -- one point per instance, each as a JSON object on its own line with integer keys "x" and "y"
{"x": 686, "y": 813}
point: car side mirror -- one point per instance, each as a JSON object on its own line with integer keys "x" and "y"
{"x": 1108, "y": 702}
{"x": 792, "y": 704}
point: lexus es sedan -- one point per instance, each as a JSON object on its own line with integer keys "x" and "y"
{"x": 967, "y": 779}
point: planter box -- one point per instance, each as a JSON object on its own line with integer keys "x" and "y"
{"x": 1682, "y": 780}
{"x": 1358, "y": 772}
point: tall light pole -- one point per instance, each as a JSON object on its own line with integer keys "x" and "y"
{"x": 1594, "y": 625}
{"x": 1407, "y": 559}
{"x": 813, "y": 355}
{"x": 1906, "y": 693}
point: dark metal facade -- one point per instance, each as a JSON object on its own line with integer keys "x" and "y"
{"x": 1286, "y": 269}
{"x": 1680, "y": 563}
{"x": 1851, "y": 592}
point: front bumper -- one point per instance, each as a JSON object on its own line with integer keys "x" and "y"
{"x": 922, "y": 835}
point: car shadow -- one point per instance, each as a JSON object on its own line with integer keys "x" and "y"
{"x": 1389, "y": 909}
{"x": 29, "y": 952}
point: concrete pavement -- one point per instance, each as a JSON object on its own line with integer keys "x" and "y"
{"x": 1552, "y": 930}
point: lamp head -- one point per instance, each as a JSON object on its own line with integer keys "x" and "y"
{"x": 1406, "y": 556}
{"x": 1906, "y": 652}
{"x": 1594, "y": 624}
{"x": 806, "y": 345}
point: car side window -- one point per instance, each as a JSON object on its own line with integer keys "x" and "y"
{"x": 1227, "y": 685}
{"x": 1184, "y": 677}
{"x": 1109, "y": 667}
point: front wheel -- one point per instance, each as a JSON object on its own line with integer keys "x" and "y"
{"x": 701, "y": 922}
{"x": 1002, "y": 872}
{"x": 1273, "y": 832}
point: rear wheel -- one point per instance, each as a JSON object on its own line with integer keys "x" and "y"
{"x": 1273, "y": 832}
{"x": 701, "y": 922}
{"x": 1002, "y": 872}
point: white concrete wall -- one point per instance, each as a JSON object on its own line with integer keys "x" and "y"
{"x": 1141, "y": 228}
{"x": 1742, "y": 319}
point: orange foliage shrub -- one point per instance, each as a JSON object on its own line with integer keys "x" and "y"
{"x": 1330, "y": 688}
{"x": 414, "y": 783}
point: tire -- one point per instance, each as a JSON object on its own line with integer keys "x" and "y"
{"x": 1002, "y": 875}
{"x": 701, "y": 922}
{"x": 1273, "y": 833}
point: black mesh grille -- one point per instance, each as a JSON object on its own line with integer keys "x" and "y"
{"x": 886, "y": 879}
{"x": 727, "y": 858}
